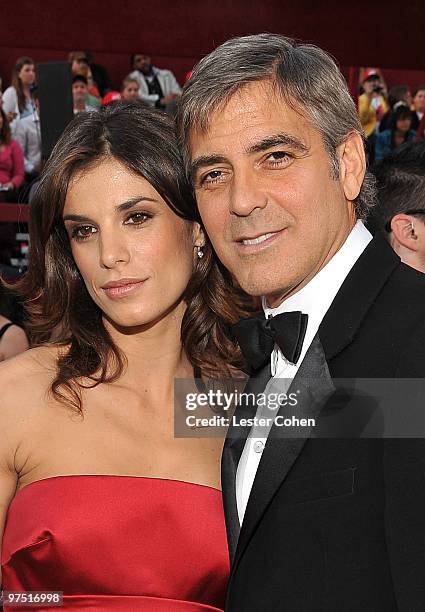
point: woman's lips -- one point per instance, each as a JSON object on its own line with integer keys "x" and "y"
{"x": 122, "y": 289}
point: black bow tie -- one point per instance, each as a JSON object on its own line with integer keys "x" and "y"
{"x": 257, "y": 336}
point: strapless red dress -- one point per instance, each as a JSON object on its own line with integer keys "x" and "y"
{"x": 118, "y": 543}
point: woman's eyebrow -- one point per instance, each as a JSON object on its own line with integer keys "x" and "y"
{"x": 80, "y": 218}
{"x": 132, "y": 202}
{"x": 119, "y": 208}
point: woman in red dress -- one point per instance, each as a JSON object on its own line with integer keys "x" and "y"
{"x": 98, "y": 499}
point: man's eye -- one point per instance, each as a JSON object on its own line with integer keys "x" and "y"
{"x": 279, "y": 158}
{"x": 137, "y": 218}
{"x": 82, "y": 232}
{"x": 213, "y": 177}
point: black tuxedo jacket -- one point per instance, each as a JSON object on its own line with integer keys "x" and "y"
{"x": 338, "y": 525}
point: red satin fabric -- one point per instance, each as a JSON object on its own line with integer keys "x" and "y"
{"x": 118, "y": 543}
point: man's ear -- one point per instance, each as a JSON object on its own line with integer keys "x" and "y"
{"x": 403, "y": 230}
{"x": 198, "y": 235}
{"x": 352, "y": 163}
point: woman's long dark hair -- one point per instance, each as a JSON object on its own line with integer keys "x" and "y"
{"x": 56, "y": 298}
{"x": 17, "y": 83}
{"x": 400, "y": 112}
{"x": 5, "y": 129}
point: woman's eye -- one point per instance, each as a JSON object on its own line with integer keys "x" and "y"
{"x": 82, "y": 232}
{"x": 137, "y": 218}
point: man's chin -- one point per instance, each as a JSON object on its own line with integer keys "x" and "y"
{"x": 272, "y": 289}
{"x": 262, "y": 288}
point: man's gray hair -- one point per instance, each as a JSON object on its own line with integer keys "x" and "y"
{"x": 304, "y": 76}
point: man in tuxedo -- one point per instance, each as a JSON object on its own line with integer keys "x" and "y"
{"x": 274, "y": 147}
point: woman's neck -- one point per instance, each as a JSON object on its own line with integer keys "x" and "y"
{"x": 154, "y": 352}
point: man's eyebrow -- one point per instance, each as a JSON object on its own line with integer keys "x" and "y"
{"x": 127, "y": 205}
{"x": 277, "y": 140}
{"x": 207, "y": 160}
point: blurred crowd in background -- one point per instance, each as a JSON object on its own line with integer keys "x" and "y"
{"x": 20, "y": 136}
{"x": 393, "y": 121}
{"x": 389, "y": 117}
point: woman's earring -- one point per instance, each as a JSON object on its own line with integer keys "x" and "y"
{"x": 200, "y": 252}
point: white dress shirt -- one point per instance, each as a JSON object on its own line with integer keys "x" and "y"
{"x": 314, "y": 299}
{"x": 166, "y": 79}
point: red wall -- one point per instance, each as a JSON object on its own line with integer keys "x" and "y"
{"x": 178, "y": 32}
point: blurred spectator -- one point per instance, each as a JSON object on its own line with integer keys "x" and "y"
{"x": 17, "y": 99}
{"x": 11, "y": 162}
{"x": 400, "y": 131}
{"x": 27, "y": 134}
{"x": 157, "y": 87}
{"x": 418, "y": 106}
{"x": 111, "y": 97}
{"x": 372, "y": 102}
{"x": 80, "y": 67}
{"x": 80, "y": 95}
{"x": 400, "y": 211}
{"x": 99, "y": 73}
{"x": 372, "y": 106}
{"x": 130, "y": 89}
{"x": 420, "y": 132}
{"x": 399, "y": 94}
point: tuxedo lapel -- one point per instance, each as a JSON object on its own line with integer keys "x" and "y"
{"x": 356, "y": 295}
{"x": 233, "y": 447}
{"x": 314, "y": 382}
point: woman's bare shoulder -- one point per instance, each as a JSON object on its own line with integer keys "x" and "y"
{"x": 28, "y": 373}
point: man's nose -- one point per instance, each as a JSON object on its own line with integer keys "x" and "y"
{"x": 246, "y": 195}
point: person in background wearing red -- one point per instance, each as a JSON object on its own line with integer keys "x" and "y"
{"x": 11, "y": 162}
{"x": 111, "y": 97}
